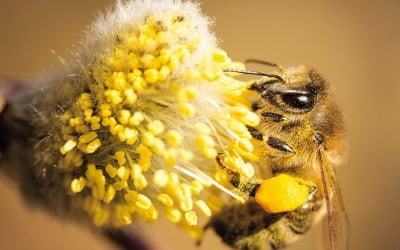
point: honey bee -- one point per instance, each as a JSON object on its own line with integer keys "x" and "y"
{"x": 302, "y": 135}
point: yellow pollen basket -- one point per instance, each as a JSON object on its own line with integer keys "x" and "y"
{"x": 282, "y": 193}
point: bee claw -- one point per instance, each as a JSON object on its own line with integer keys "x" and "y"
{"x": 279, "y": 144}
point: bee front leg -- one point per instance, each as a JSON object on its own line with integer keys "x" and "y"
{"x": 245, "y": 186}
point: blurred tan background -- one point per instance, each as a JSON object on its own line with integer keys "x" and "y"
{"x": 355, "y": 44}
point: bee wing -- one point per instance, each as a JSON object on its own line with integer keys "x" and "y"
{"x": 338, "y": 224}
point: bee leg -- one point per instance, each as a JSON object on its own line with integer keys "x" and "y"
{"x": 246, "y": 186}
{"x": 279, "y": 144}
{"x": 272, "y": 117}
{"x": 255, "y": 133}
{"x": 235, "y": 176}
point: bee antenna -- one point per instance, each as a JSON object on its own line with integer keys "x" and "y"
{"x": 251, "y": 72}
{"x": 251, "y": 60}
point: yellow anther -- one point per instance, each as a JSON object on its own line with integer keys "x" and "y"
{"x": 68, "y": 146}
{"x": 140, "y": 182}
{"x": 182, "y": 52}
{"x": 163, "y": 73}
{"x": 192, "y": 75}
{"x": 82, "y": 129}
{"x": 233, "y": 162}
{"x": 173, "y": 214}
{"x": 93, "y": 146}
{"x": 131, "y": 135}
{"x": 164, "y": 56}
{"x": 153, "y": 213}
{"x": 113, "y": 96}
{"x": 99, "y": 178}
{"x": 105, "y": 110}
{"x": 219, "y": 56}
{"x": 120, "y": 81}
{"x": 66, "y": 116}
{"x": 119, "y": 52}
{"x": 123, "y": 173}
{"x": 139, "y": 83}
{"x": 136, "y": 171}
{"x": 209, "y": 75}
{"x": 160, "y": 178}
{"x": 202, "y": 141}
{"x": 132, "y": 76}
{"x": 173, "y": 62}
{"x": 191, "y": 218}
{"x": 146, "y": 60}
{"x": 110, "y": 194}
{"x": 187, "y": 109}
{"x": 120, "y": 156}
{"x": 158, "y": 146}
{"x": 202, "y": 128}
{"x": 130, "y": 96}
{"x": 185, "y": 155}
{"x": 111, "y": 171}
{"x": 170, "y": 157}
{"x": 247, "y": 170}
{"x": 165, "y": 199}
{"x": 196, "y": 187}
{"x": 119, "y": 185}
{"x": 100, "y": 217}
{"x": 250, "y": 119}
{"x": 209, "y": 152}
{"x": 133, "y": 61}
{"x": 174, "y": 138}
{"x": 203, "y": 207}
{"x": 91, "y": 172}
{"x": 116, "y": 63}
{"x": 116, "y": 129}
{"x": 156, "y": 127}
{"x": 105, "y": 113}
{"x": 136, "y": 119}
{"x": 148, "y": 138}
{"x": 88, "y": 112}
{"x": 191, "y": 92}
{"x": 150, "y": 45}
{"x": 87, "y": 137}
{"x": 105, "y": 106}
{"x": 77, "y": 185}
{"x": 237, "y": 126}
{"x": 245, "y": 145}
{"x": 131, "y": 196}
{"x": 124, "y": 116}
{"x": 94, "y": 126}
{"x": 151, "y": 75}
{"x": 143, "y": 202}
{"x": 184, "y": 194}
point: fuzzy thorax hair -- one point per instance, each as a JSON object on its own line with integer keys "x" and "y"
{"x": 132, "y": 126}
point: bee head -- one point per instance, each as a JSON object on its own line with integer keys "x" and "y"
{"x": 296, "y": 91}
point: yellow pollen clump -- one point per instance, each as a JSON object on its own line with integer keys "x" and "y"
{"x": 282, "y": 193}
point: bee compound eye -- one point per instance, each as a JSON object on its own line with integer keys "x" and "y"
{"x": 299, "y": 100}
